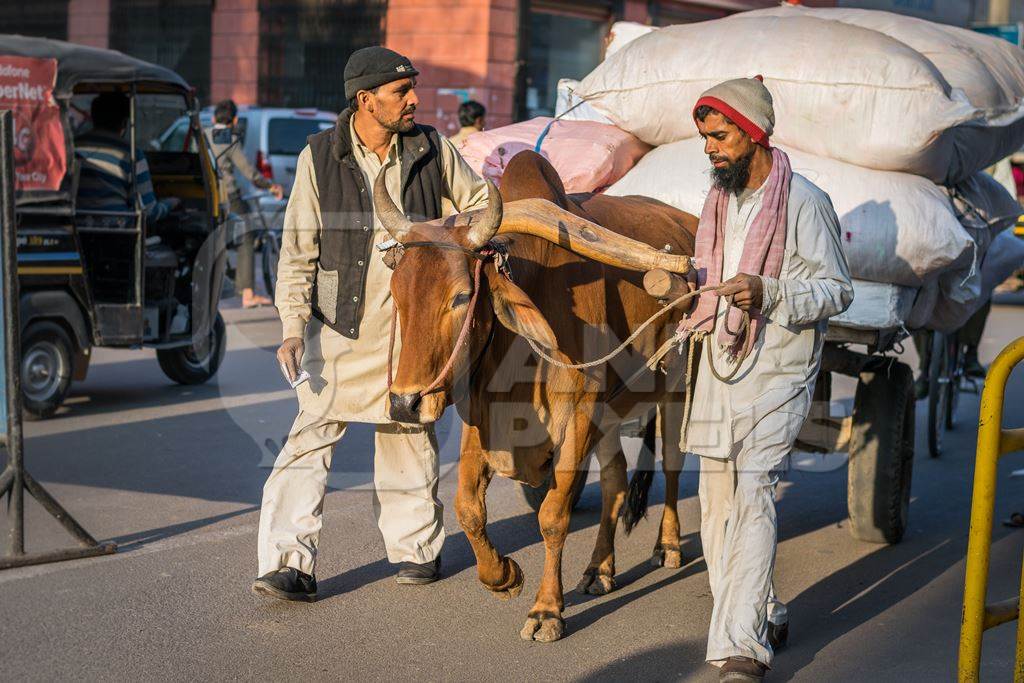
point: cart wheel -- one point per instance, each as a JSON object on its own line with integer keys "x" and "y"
{"x": 47, "y": 358}
{"x": 881, "y": 454}
{"x": 939, "y": 385}
{"x": 534, "y": 495}
{"x": 184, "y": 366}
{"x": 270, "y": 253}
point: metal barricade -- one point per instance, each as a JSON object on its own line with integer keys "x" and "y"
{"x": 993, "y": 443}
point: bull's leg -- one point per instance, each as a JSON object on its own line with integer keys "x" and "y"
{"x": 599, "y": 577}
{"x": 500, "y": 575}
{"x": 544, "y": 622}
{"x": 667, "y": 552}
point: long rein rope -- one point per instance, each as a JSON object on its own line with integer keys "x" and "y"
{"x": 629, "y": 340}
{"x": 484, "y": 256}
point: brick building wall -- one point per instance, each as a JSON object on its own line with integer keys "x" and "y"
{"x": 89, "y": 22}
{"x": 464, "y": 49}
{"x": 235, "y": 44}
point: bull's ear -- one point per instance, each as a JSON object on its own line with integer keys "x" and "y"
{"x": 516, "y": 312}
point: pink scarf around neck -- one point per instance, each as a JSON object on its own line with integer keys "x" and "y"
{"x": 763, "y": 251}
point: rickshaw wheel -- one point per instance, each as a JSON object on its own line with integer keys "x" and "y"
{"x": 184, "y": 366}
{"x": 47, "y": 358}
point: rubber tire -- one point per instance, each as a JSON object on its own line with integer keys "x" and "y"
{"x": 177, "y": 366}
{"x": 938, "y": 394}
{"x": 270, "y": 252}
{"x": 36, "y": 332}
{"x": 953, "y": 402}
{"x": 881, "y": 454}
{"x": 534, "y": 495}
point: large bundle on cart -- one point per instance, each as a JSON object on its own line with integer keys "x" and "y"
{"x": 839, "y": 88}
{"x": 589, "y": 156}
{"x": 895, "y": 118}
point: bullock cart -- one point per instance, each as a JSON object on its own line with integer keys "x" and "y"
{"x": 878, "y": 436}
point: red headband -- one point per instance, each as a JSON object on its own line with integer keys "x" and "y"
{"x": 742, "y": 122}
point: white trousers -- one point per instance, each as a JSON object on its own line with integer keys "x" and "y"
{"x": 739, "y": 533}
{"x": 405, "y": 474}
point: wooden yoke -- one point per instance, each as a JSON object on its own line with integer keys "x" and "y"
{"x": 548, "y": 221}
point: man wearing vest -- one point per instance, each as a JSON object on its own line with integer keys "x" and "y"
{"x": 334, "y": 299}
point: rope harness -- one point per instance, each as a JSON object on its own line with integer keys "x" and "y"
{"x": 494, "y": 252}
{"x": 490, "y": 252}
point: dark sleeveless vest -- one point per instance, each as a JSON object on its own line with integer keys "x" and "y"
{"x": 346, "y": 211}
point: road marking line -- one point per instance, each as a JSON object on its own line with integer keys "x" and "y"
{"x": 159, "y": 412}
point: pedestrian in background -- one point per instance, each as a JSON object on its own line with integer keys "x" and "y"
{"x": 226, "y": 145}
{"x": 471, "y": 120}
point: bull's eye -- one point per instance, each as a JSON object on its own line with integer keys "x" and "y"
{"x": 461, "y": 299}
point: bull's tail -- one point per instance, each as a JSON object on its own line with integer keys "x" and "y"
{"x": 635, "y": 507}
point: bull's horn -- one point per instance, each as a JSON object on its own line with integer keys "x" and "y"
{"x": 481, "y": 233}
{"x": 390, "y": 216}
{"x": 541, "y": 218}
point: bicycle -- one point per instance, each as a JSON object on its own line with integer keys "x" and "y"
{"x": 267, "y": 227}
{"x": 946, "y": 377}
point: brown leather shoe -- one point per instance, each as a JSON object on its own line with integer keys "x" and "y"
{"x": 742, "y": 670}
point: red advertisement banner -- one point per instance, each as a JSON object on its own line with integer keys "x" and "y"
{"x": 26, "y": 88}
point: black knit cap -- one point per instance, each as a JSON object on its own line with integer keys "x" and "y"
{"x": 372, "y": 66}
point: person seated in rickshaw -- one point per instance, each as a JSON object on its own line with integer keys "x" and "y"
{"x": 105, "y": 181}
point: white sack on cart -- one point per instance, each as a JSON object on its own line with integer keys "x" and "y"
{"x": 623, "y": 33}
{"x": 570, "y": 107}
{"x": 1004, "y": 257}
{"x": 841, "y": 91}
{"x": 877, "y": 306}
{"x": 984, "y": 208}
{"x": 897, "y": 228}
{"x": 924, "y": 304}
{"x": 989, "y": 72}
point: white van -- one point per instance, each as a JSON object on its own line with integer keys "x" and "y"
{"x": 272, "y": 138}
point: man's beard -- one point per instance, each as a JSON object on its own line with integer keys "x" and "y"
{"x": 734, "y": 176}
{"x": 400, "y": 125}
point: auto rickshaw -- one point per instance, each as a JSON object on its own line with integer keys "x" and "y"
{"x": 112, "y": 278}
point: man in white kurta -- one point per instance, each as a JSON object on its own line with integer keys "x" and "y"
{"x": 744, "y": 428}
{"x": 348, "y": 383}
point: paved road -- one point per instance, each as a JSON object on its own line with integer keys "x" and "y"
{"x": 174, "y": 475}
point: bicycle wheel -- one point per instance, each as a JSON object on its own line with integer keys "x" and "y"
{"x": 938, "y": 396}
{"x": 956, "y": 375}
{"x": 269, "y": 253}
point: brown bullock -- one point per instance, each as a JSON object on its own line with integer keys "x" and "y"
{"x": 526, "y": 418}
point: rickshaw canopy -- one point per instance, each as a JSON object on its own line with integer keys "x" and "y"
{"x": 38, "y": 78}
{"x": 83, "y": 64}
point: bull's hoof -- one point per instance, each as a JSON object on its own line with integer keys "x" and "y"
{"x": 671, "y": 558}
{"x": 544, "y": 628}
{"x": 594, "y": 583}
{"x": 514, "y": 585}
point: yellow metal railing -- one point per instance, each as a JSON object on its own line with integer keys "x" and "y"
{"x": 993, "y": 443}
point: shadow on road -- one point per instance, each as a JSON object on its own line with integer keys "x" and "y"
{"x": 130, "y": 542}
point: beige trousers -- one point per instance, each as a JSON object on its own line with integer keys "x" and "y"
{"x": 738, "y": 532}
{"x": 405, "y": 474}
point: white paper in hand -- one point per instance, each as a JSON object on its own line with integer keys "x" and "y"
{"x": 303, "y": 376}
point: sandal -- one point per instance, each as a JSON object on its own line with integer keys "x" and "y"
{"x": 1015, "y": 521}
{"x": 256, "y": 301}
